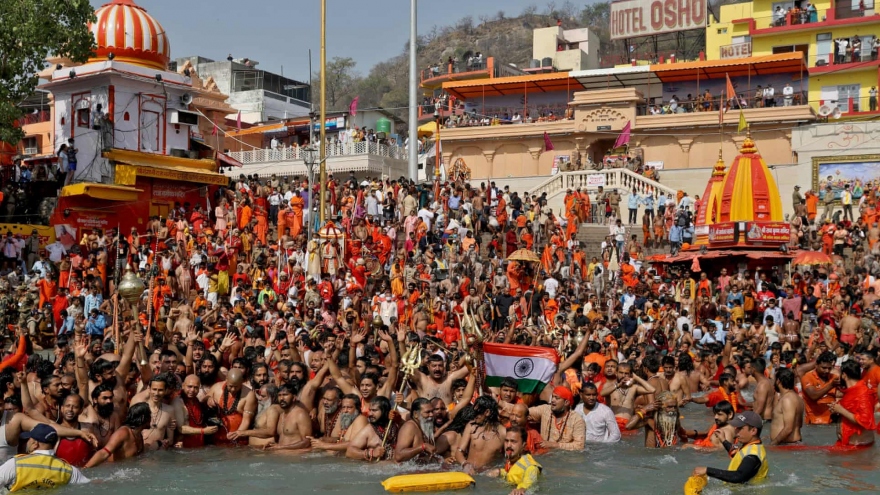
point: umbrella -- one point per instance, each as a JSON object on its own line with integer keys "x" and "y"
{"x": 809, "y": 258}
{"x": 526, "y": 255}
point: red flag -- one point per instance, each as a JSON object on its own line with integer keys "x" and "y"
{"x": 548, "y": 145}
{"x": 623, "y": 138}
{"x": 238, "y": 122}
{"x": 353, "y": 107}
{"x": 214, "y": 130}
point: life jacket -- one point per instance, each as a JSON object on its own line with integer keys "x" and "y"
{"x": 756, "y": 449}
{"x": 518, "y": 474}
{"x": 40, "y": 471}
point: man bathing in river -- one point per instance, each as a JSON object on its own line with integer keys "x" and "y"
{"x": 622, "y": 393}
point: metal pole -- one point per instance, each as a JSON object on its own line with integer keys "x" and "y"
{"x": 413, "y": 97}
{"x": 323, "y": 119}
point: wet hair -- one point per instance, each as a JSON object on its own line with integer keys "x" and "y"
{"x": 102, "y": 387}
{"x": 725, "y": 377}
{"x": 15, "y": 401}
{"x": 462, "y": 383}
{"x": 6, "y": 378}
{"x": 785, "y": 378}
{"x": 79, "y": 398}
{"x": 508, "y": 382}
{"x": 46, "y": 382}
{"x": 668, "y": 362}
{"x": 416, "y": 408}
{"x": 256, "y": 367}
{"x": 652, "y": 364}
{"x": 99, "y": 367}
{"x": 760, "y": 364}
{"x": 383, "y": 404}
{"x": 138, "y": 415}
{"x": 723, "y": 407}
{"x": 434, "y": 358}
{"x": 485, "y": 403}
{"x": 826, "y": 357}
{"x": 355, "y": 397}
{"x": 371, "y": 376}
{"x": 462, "y": 419}
{"x": 338, "y": 391}
{"x": 864, "y": 350}
{"x": 291, "y": 386}
{"x": 851, "y": 369}
{"x": 588, "y": 385}
{"x": 685, "y": 363}
{"x": 45, "y": 369}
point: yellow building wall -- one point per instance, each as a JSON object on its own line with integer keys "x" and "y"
{"x": 763, "y": 45}
{"x": 763, "y": 11}
{"x": 865, "y": 78}
{"x": 722, "y": 33}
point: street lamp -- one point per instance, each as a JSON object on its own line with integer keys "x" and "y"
{"x": 310, "y": 158}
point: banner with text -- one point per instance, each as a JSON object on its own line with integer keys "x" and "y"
{"x": 634, "y": 18}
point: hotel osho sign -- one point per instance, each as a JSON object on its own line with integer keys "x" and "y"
{"x": 634, "y": 18}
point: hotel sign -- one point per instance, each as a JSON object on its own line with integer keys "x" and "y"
{"x": 635, "y": 18}
{"x": 736, "y": 50}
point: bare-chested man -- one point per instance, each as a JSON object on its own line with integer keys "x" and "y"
{"x": 349, "y": 422}
{"x": 661, "y": 422}
{"x": 416, "y": 438}
{"x": 850, "y": 326}
{"x": 101, "y": 413}
{"x": 438, "y": 383}
{"x": 687, "y": 380}
{"x": 160, "y": 432}
{"x": 294, "y": 425}
{"x": 266, "y": 423}
{"x": 622, "y": 396}
{"x": 764, "y": 393}
{"x": 481, "y": 442}
{"x": 788, "y": 411}
{"x": 128, "y": 440}
{"x": 379, "y": 439}
{"x": 720, "y": 432}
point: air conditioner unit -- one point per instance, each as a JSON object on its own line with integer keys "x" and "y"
{"x": 183, "y": 117}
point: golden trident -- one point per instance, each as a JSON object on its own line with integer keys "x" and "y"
{"x": 409, "y": 362}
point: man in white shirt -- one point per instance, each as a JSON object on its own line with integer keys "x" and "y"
{"x": 551, "y": 285}
{"x": 769, "y": 96}
{"x": 619, "y": 233}
{"x": 56, "y": 251}
{"x": 601, "y": 424}
{"x": 788, "y": 94}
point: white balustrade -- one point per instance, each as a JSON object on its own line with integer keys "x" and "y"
{"x": 624, "y": 180}
{"x": 332, "y": 150}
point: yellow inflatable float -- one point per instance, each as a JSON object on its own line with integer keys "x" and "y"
{"x": 695, "y": 484}
{"x": 428, "y": 482}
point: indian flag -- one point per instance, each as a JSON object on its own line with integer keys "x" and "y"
{"x": 532, "y": 367}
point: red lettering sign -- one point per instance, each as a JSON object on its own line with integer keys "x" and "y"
{"x": 633, "y": 18}
{"x": 767, "y": 232}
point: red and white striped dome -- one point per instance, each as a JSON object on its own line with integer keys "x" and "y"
{"x": 131, "y": 34}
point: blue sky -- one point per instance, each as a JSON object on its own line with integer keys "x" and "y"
{"x": 280, "y": 33}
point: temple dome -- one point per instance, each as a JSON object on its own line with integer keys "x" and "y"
{"x": 749, "y": 191}
{"x": 131, "y": 34}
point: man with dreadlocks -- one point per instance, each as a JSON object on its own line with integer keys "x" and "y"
{"x": 661, "y": 420}
{"x": 481, "y": 441}
{"x": 378, "y": 441}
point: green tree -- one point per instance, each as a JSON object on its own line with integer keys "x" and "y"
{"x": 342, "y": 83}
{"x": 31, "y": 30}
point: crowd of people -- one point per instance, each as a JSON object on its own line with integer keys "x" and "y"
{"x": 365, "y": 342}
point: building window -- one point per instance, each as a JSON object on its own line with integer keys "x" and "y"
{"x": 839, "y": 96}
{"x": 722, "y": 31}
{"x": 31, "y": 147}
{"x": 82, "y": 117}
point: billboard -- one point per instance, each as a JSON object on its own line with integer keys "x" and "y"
{"x": 634, "y": 18}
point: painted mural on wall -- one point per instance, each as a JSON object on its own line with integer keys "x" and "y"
{"x": 860, "y": 176}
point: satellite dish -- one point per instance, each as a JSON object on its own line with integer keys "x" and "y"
{"x": 836, "y": 113}
{"x": 186, "y": 99}
{"x": 825, "y": 110}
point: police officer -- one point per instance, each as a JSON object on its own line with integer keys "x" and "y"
{"x": 749, "y": 461}
{"x": 39, "y": 468}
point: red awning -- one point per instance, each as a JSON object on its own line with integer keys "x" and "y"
{"x": 227, "y": 161}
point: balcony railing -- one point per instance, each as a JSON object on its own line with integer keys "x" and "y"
{"x": 332, "y": 150}
{"x": 36, "y": 118}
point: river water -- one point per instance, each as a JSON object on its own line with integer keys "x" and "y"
{"x": 626, "y": 468}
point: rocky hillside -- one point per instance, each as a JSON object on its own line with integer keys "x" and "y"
{"x": 508, "y": 38}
